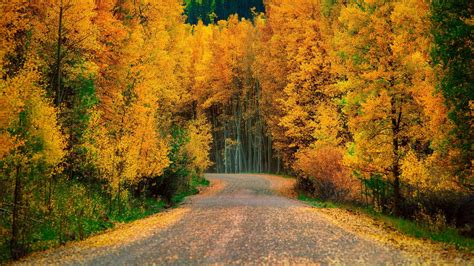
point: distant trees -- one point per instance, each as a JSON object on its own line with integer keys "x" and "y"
{"x": 210, "y": 11}
{"x": 229, "y": 95}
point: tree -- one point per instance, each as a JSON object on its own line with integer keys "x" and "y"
{"x": 32, "y": 142}
{"x": 390, "y": 87}
{"x": 452, "y": 52}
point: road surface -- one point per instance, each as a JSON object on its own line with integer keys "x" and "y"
{"x": 242, "y": 219}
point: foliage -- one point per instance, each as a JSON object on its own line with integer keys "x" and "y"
{"x": 89, "y": 92}
{"x": 109, "y": 107}
{"x": 323, "y": 170}
{"x": 199, "y": 144}
{"x": 452, "y": 52}
{"x": 358, "y": 78}
{"x": 177, "y": 176}
{"x": 208, "y": 11}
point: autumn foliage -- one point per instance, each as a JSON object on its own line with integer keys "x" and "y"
{"x": 108, "y": 107}
{"x": 323, "y": 173}
{"x": 90, "y": 92}
{"x": 359, "y": 107}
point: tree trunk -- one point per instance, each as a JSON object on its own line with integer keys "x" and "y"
{"x": 16, "y": 249}
{"x": 396, "y": 118}
{"x": 58, "y": 55}
{"x": 225, "y": 149}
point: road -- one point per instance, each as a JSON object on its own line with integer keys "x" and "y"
{"x": 242, "y": 219}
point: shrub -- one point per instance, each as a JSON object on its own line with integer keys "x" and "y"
{"x": 322, "y": 173}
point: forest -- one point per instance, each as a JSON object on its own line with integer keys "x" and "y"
{"x": 111, "y": 110}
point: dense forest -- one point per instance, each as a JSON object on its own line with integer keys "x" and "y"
{"x": 110, "y": 110}
{"x": 211, "y": 11}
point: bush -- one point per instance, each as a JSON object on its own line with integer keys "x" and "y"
{"x": 322, "y": 173}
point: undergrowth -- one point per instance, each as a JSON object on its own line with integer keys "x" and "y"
{"x": 446, "y": 235}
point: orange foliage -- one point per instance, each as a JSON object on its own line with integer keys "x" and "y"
{"x": 324, "y": 169}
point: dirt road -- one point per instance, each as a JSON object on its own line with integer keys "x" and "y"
{"x": 241, "y": 219}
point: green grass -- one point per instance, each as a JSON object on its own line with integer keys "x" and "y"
{"x": 447, "y": 235}
{"x": 139, "y": 210}
{"x": 411, "y": 228}
{"x": 195, "y": 183}
{"x": 46, "y": 235}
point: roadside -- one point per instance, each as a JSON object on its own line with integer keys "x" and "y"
{"x": 386, "y": 230}
{"x": 238, "y": 218}
{"x": 120, "y": 236}
{"x": 131, "y": 229}
{"x": 379, "y": 227}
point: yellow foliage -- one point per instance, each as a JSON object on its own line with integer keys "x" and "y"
{"x": 295, "y": 60}
{"x": 199, "y": 144}
{"x": 392, "y": 102}
{"x": 28, "y": 117}
{"x": 140, "y": 89}
{"x": 428, "y": 173}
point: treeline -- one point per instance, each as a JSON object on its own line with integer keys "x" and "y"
{"x": 371, "y": 101}
{"x": 211, "y": 11}
{"x": 97, "y": 123}
{"x": 228, "y": 93}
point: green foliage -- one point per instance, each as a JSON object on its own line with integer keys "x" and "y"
{"x": 327, "y": 6}
{"x": 175, "y": 179}
{"x": 376, "y": 188}
{"x": 77, "y": 122}
{"x": 452, "y": 51}
{"x": 209, "y": 10}
{"x": 196, "y": 183}
{"x": 76, "y": 212}
{"x": 139, "y": 208}
{"x": 316, "y": 202}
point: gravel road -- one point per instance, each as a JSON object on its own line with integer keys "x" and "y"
{"x": 244, "y": 221}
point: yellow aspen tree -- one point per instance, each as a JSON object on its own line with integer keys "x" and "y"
{"x": 32, "y": 145}
{"x": 200, "y": 60}
{"x": 65, "y": 42}
{"x": 139, "y": 102}
{"x": 383, "y": 50}
{"x": 199, "y": 144}
{"x": 299, "y": 46}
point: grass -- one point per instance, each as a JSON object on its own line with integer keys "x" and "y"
{"x": 46, "y": 235}
{"x": 141, "y": 210}
{"x": 446, "y": 235}
{"x": 316, "y": 202}
{"x": 411, "y": 228}
{"x": 196, "y": 182}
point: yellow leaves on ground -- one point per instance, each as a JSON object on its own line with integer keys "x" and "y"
{"x": 121, "y": 235}
{"x": 129, "y": 233}
{"x": 376, "y": 230}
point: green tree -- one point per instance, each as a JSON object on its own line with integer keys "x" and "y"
{"x": 452, "y": 31}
